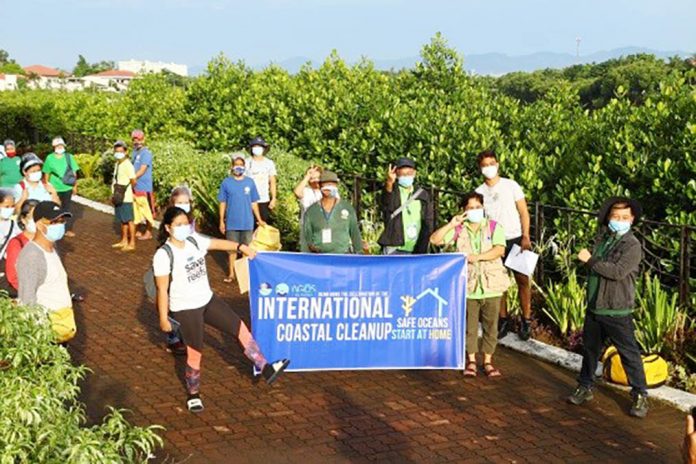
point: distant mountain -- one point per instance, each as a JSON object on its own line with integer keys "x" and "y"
{"x": 488, "y": 63}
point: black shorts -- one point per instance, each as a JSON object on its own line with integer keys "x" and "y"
{"x": 216, "y": 313}
{"x": 508, "y": 246}
{"x": 264, "y": 212}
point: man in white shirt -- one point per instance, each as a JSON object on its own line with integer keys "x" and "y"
{"x": 263, "y": 171}
{"x": 504, "y": 202}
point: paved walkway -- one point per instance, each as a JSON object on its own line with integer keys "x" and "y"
{"x": 369, "y": 416}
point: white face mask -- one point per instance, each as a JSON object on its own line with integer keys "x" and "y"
{"x": 6, "y": 213}
{"x": 119, "y": 155}
{"x": 185, "y": 206}
{"x": 31, "y": 226}
{"x": 60, "y": 151}
{"x": 490, "y": 171}
{"x": 34, "y": 176}
{"x": 257, "y": 150}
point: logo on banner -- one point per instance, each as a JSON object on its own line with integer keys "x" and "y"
{"x": 409, "y": 301}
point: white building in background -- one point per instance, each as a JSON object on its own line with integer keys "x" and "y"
{"x": 44, "y": 77}
{"x": 8, "y": 82}
{"x": 137, "y": 66}
{"x": 112, "y": 80}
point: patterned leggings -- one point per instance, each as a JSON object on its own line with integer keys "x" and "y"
{"x": 220, "y": 315}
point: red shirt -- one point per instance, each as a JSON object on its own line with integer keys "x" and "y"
{"x": 13, "y": 249}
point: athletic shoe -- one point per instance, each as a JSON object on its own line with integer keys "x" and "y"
{"x": 581, "y": 395}
{"x": 525, "y": 331}
{"x": 639, "y": 408}
{"x": 271, "y": 371}
{"x": 503, "y": 327}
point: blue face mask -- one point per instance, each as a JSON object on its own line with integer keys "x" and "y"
{"x": 474, "y": 215}
{"x": 238, "y": 170}
{"x": 181, "y": 232}
{"x": 619, "y": 227}
{"x": 55, "y": 232}
{"x": 406, "y": 181}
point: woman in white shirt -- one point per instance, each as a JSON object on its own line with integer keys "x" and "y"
{"x": 307, "y": 192}
{"x": 189, "y": 300}
{"x": 33, "y": 187}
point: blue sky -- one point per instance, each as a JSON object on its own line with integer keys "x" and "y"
{"x": 54, "y": 32}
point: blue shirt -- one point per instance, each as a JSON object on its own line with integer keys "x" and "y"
{"x": 238, "y": 195}
{"x": 143, "y": 157}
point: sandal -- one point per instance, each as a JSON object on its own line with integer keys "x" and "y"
{"x": 194, "y": 403}
{"x": 471, "y": 371}
{"x": 491, "y": 370}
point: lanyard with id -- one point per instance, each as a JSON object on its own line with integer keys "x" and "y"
{"x": 326, "y": 231}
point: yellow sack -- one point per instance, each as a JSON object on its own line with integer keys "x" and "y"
{"x": 656, "y": 369}
{"x": 63, "y": 324}
{"x": 266, "y": 238}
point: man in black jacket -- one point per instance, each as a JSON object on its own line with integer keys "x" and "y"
{"x": 613, "y": 268}
{"x": 407, "y": 211}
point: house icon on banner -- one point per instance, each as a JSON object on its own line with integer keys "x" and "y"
{"x": 435, "y": 293}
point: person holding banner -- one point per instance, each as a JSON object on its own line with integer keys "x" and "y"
{"x": 407, "y": 211}
{"x": 183, "y": 292}
{"x": 483, "y": 241}
{"x": 331, "y": 225}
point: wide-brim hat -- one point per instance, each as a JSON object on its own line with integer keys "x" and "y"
{"x": 29, "y": 160}
{"x": 328, "y": 176}
{"x": 603, "y": 214}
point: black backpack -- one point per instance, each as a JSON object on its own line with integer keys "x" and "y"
{"x": 149, "y": 277}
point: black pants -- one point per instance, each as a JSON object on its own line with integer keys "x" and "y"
{"x": 264, "y": 212}
{"x": 66, "y": 203}
{"x": 620, "y": 330}
{"x": 216, "y": 313}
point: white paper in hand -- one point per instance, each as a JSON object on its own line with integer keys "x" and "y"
{"x": 241, "y": 271}
{"x": 520, "y": 261}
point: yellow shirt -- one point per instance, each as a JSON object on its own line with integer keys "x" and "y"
{"x": 125, "y": 172}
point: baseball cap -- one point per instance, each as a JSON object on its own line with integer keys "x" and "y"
{"x": 137, "y": 134}
{"x": 405, "y": 163}
{"x": 258, "y": 141}
{"x": 58, "y": 141}
{"x": 28, "y": 160}
{"x": 121, "y": 143}
{"x": 49, "y": 210}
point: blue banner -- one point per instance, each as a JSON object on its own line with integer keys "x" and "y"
{"x": 359, "y": 312}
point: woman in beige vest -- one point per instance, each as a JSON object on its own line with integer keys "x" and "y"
{"x": 483, "y": 242}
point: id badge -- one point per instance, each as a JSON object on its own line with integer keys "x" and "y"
{"x": 326, "y": 236}
{"x": 412, "y": 232}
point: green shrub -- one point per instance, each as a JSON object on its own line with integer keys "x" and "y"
{"x": 41, "y": 419}
{"x": 658, "y": 318}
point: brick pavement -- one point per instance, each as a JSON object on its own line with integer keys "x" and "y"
{"x": 352, "y": 416}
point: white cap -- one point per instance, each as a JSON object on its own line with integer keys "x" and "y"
{"x": 58, "y": 141}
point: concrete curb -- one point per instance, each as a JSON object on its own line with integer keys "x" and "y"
{"x": 573, "y": 361}
{"x": 552, "y": 354}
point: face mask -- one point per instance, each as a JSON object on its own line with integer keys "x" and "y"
{"x": 257, "y": 150}
{"x": 490, "y": 171}
{"x": 406, "y": 181}
{"x": 333, "y": 191}
{"x": 137, "y": 143}
{"x": 6, "y": 213}
{"x": 11, "y": 153}
{"x": 474, "y": 215}
{"x": 119, "y": 155}
{"x": 34, "y": 176}
{"x": 60, "y": 151}
{"x": 181, "y": 232}
{"x": 238, "y": 170}
{"x": 185, "y": 206}
{"x": 31, "y": 226}
{"x": 55, "y": 232}
{"x": 619, "y": 227}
